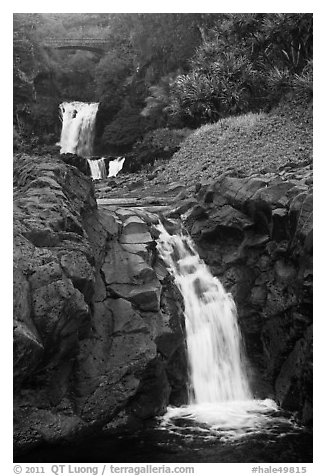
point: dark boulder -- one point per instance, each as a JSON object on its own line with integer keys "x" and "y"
{"x": 91, "y": 315}
{"x": 77, "y": 161}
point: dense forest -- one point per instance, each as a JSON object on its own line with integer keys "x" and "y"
{"x": 157, "y": 76}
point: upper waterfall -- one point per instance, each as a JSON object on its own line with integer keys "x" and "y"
{"x": 217, "y": 372}
{"x": 78, "y": 127}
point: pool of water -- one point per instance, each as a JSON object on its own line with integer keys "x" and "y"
{"x": 245, "y": 432}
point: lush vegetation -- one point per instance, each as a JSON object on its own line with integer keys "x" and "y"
{"x": 247, "y": 143}
{"x": 161, "y": 72}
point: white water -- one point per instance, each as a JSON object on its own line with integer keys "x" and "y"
{"x": 115, "y": 166}
{"x": 78, "y": 127}
{"x": 98, "y": 168}
{"x": 213, "y": 338}
{"x": 219, "y": 394}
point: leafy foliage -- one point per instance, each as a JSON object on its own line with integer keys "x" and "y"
{"x": 248, "y": 62}
{"x": 303, "y": 83}
{"x": 160, "y": 70}
{"x": 159, "y": 144}
{"x": 247, "y": 143}
{"x": 126, "y": 128}
{"x": 213, "y": 90}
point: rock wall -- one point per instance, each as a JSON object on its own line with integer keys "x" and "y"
{"x": 98, "y": 325}
{"x": 255, "y": 233}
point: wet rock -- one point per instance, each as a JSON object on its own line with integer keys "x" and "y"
{"x": 126, "y": 268}
{"x": 140, "y": 249}
{"x": 87, "y": 310}
{"x": 134, "y": 224}
{"x": 293, "y": 385}
{"x": 79, "y": 270}
{"x": 255, "y": 233}
{"x": 136, "y": 184}
{"x": 274, "y": 194}
{"x": 253, "y": 240}
{"x": 305, "y": 218}
{"x": 45, "y": 274}
{"x": 280, "y": 224}
{"x": 109, "y": 222}
{"x": 135, "y": 238}
{"x": 59, "y": 311}
{"x": 176, "y": 187}
{"x": 77, "y": 161}
{"x": 145, "y": 297}
{"x": 153, "y": 393}
{"x": 183, "y": 208}
{"x": 229, "y": 217}
{"x": 258, "y": 296}
{"x": 285, "y": 271}
{"x": 28, "y": 351}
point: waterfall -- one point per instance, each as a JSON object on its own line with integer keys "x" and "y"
{"x": 219, "y": 393}
{"x": 217, "y": 372}
{"x": 98, "y": 168}
{"x": 78, "y": 127}
{"x": 77, "y": 137}
{"x": 115, "y": 166}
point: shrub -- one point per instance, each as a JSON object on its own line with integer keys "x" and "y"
{"x": 302, "y": 83}
{"x": 241, "y": 124}
{"x": 278, "y": 82}
{"x": 17, "y": 140}
{"x": 127, "y": 127}
{"x": 159, "y": 144}
{"x": 158, "y": 102}
{"x": 246, "y": 62}
{"x": 215, "y": 88}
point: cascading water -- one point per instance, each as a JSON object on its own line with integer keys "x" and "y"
{"x": 219, "y": 393}
{"x": 217, "y": 373}
{"x": 77, "y": 137}
{"x": 222, "y": 423}
{"x": 78, "y": 127}
{"x": 98, "y": 168}
{"x": 115, "y": 166}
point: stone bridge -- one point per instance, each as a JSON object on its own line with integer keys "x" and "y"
{"x": 96, "y": 45}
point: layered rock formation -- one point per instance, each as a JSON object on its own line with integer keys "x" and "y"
{"x": 255, "y": 233}
{"x": 98, "y": 326}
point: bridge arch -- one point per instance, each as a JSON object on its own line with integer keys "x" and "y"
{"x": 95, "y": 45}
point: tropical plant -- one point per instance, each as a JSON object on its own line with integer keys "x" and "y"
{"x": 125, "y": 129}
{"x": 303, "y": 83}
{"x": 158, "y": 144}
{"x": 214, "y": 89}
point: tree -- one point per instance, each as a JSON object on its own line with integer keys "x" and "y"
{"x": 246, "y": 62}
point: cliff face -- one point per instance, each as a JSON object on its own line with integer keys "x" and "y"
{"x": 255, "y": 233}
{"x": 98, "y": 326}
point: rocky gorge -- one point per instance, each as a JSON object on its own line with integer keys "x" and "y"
{"x": 98, "y": 323}
{"x": 256, "y": 235}
{"x": 255, "y": 231}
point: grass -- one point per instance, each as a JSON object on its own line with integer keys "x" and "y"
{"x": 249, "y": 143}
{"x": 237, "y": 123}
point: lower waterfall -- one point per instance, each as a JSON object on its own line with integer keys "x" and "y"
{"x": 115, "y": 166}
{"x": 78, "y": 127}
{"x": 98, "y": 168}
{"x": 219, "y": 395}
{"x": 217, "y": 372}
